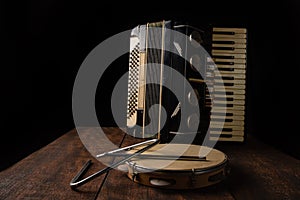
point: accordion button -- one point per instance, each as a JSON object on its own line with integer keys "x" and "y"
{"x": 195, "y": 62}
{"x": 193, "y": 122}
{"x": 193, "y": 97}
{"x": 195, "y": 39}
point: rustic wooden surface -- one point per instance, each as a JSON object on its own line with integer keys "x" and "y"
{"x": 258, "y": 171}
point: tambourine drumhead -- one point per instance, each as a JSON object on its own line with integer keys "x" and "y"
{"x": 179, "y": 174}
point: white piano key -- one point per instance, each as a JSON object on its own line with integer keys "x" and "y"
{"x": 225, "y": 29}
{"x": 226, "y": 126}
{"x": 239, "y": 61}
{"x": 234, "y": 40}
{"x": 234, "y": 133}
{"x": 238, "y": 35}
{"x": 236, "y": 46}
{"x": 234, "y": 55}
{"x": 222, "y": 110}
{"x": 235, "y": 66}
{"x": 233, "y": 138}
{"x": 239, "y": 81}
{"x": 229, "y": 96}
{"x": 234, "y": 102}
{"x": 233, "y": 117}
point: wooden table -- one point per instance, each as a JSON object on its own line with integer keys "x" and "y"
{"x": 258, "y": 171}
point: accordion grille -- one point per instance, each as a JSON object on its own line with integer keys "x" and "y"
{"x": 133, "y": 82}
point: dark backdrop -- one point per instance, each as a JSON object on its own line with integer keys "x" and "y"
{"x": 44, "y": 43}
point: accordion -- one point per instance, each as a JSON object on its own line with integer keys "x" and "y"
{"x": 186, "y": 83}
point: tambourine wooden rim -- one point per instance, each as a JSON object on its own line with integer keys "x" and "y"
{"x": 180, "y": 178}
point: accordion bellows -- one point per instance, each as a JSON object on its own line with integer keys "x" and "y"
{"x": 216, "y": 77}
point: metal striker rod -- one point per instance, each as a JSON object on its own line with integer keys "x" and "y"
{"x": 164, "y": 157}
{"x": 125, "y": 148}
{"x": 75, "y": 183}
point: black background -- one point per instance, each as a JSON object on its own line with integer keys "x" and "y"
{"x": 43, "y": 44}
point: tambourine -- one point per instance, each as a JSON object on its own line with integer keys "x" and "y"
{"x": 163, "y": 167}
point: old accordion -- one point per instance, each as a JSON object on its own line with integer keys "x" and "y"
{"x": 187, "y": 81}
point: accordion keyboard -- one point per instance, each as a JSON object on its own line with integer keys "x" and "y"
{"x": 229, "y": 54}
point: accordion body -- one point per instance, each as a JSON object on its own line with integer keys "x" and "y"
{"x": 173, "y": 90}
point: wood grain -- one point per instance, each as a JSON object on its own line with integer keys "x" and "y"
{"x": 258, "y": 171}
{"x": 46, "y": 173}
